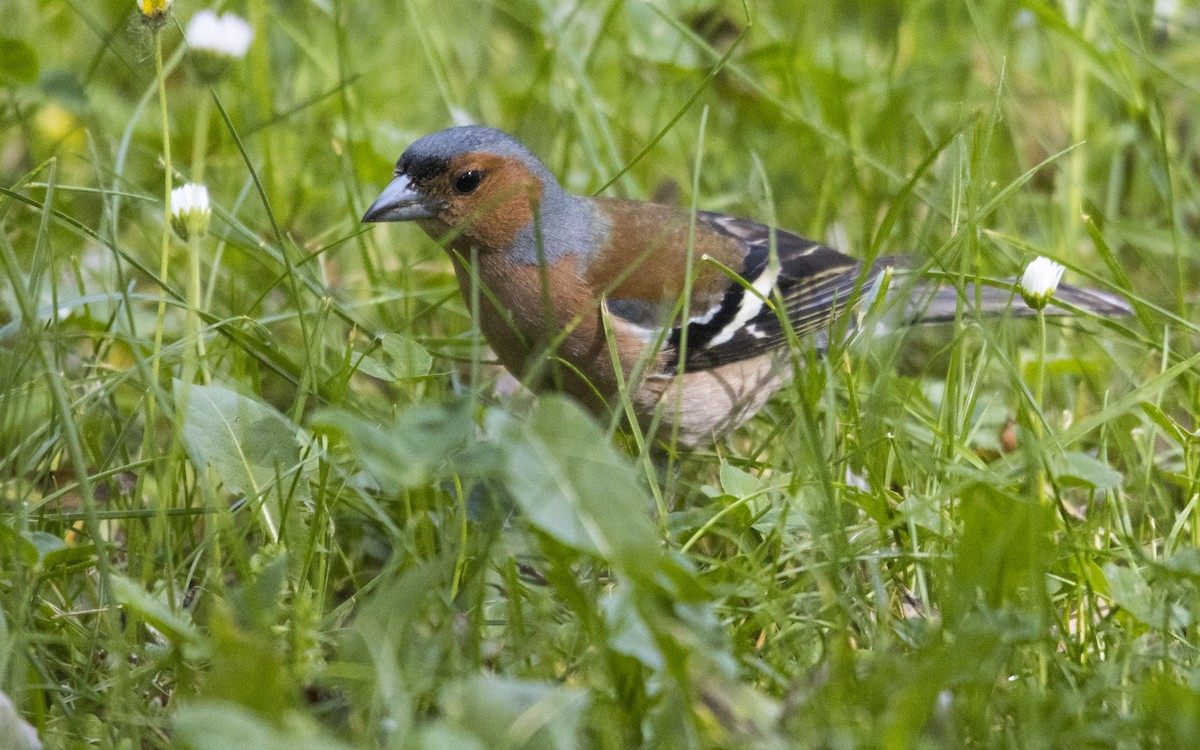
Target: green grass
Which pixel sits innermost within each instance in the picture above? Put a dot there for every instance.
(260, 491)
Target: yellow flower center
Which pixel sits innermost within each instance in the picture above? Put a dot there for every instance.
(153, 7)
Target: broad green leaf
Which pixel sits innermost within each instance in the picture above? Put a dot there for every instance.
(217, 725)
(415, 450)
(246, 666)
(656, 41)
(439, 736)
(1078, 367)
(1185, 562)
(136, 600)
(56, 553)
(1130, 591)
(383, 635)
(45, 543)
(41, 548)
(563, 472)
(1075, 469)
(1172, 707)
(254, 450)
(397, 357)
(66, 87)
(507, 712)
(570, 482)
(919, 508)
(1001, 557)
(739, 483)
(13, 544)
(18, 61)
(628, 632)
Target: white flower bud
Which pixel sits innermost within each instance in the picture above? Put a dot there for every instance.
(190, 210)
(214, 41)
(1039, 281)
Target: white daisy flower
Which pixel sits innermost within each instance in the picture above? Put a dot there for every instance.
(215, 42)
(227, 34)
(1039, 281)
(190, 210)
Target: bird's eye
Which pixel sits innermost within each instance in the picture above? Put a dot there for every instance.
(466, 182)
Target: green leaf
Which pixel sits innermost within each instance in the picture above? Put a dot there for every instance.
(136, 600)
(438, 736)
(217, 725)
(739, 483)
(1170, 426)
(416, 450)
(398, 357)
(45, 543)
(247, 665)
(654, 40)
(919, 508)
(1130, 591)
(1075, 469)
(13, 544)
(18, 61)
(254, 450)
(1185, 562)
(58, 554)
(628, 631)
(1003, 553)
(570, 482)
(563, 472)
(65, 87)
(506, 712)
(1074, 366)
(1172, 708)
(42, 549)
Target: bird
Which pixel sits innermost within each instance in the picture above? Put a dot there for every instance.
(682, 319)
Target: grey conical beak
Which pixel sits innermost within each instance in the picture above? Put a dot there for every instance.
(399, 201)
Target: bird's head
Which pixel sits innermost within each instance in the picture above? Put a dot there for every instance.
(473, 182)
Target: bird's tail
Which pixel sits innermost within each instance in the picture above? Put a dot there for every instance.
(897, 297)
(911, 297)
(939, 303)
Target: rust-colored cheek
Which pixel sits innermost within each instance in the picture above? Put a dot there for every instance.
(492, 217)
(497, 229)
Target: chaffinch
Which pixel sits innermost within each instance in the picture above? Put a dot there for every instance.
(571, 286)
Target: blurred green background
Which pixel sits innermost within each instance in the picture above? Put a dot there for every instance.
(261, 490)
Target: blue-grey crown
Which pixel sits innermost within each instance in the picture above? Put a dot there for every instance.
(434, 151)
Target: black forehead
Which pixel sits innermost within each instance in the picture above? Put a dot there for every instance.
(431, 155)
(421, 168)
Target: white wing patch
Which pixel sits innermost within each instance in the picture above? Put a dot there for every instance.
(706, 316)
(752, 305)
